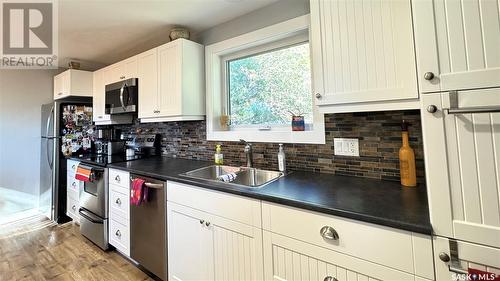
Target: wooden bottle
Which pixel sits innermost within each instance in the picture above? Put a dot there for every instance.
(407, 160)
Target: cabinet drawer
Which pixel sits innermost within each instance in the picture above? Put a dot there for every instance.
(288, 259)
(383, 245)
(233, 207)
(71, 166)
(72, 206)
(119, 201)
(119, 236)
(74, 185)
(120, 178)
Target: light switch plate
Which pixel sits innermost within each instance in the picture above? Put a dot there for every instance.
(346, 147)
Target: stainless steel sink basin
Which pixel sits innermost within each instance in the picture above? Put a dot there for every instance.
(246, 177)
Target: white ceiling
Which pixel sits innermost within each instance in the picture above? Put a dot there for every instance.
(101, 32)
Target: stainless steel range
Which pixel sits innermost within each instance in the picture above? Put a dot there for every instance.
(94, 197)
(94, 206)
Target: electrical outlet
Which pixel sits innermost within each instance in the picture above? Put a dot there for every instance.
(346, 147)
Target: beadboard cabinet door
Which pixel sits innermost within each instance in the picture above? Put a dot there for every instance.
(362, 51)
(187, 245)
(148, 83)
(462, 154)
(287, 259)
(203, 246)
(457, 44)
(470, 255)
(99, 99)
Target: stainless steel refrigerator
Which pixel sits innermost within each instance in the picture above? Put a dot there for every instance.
(58, 128)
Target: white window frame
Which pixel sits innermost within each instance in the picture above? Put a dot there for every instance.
(262, 40)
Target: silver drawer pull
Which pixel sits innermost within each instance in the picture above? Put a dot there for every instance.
(118, 201)
(73, 208)
(73, 167)
(117, 178)
(118, 233)
(455, 109)
(329, 233)
(73, 184)
(330, 278)
(207, 223)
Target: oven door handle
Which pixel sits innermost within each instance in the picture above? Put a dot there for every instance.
(84, 214)
(153, 185)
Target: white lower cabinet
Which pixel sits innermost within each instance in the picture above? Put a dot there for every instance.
(219, 236)
(289, 259)
(204, 246)
(468, 256)
(73, 187)
(119, 211)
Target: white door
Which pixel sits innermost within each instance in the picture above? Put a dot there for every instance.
(130, 68)
(187, 245)
(470, 257)
(462, 154)
(237, 250)
(98, 101)
(457, 44)
(147, 72)
(169, 79)
(287, 259)
(362, 51)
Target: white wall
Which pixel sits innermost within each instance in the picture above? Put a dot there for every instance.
(22, 92)
(278, 12)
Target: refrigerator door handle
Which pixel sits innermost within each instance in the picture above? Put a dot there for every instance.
(51, 116)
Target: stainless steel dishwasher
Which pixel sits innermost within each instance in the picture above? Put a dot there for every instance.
(148, 228)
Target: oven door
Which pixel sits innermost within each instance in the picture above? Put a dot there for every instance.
(94, 197)
(121, 97)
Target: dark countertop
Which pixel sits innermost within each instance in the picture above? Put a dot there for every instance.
(374, 201)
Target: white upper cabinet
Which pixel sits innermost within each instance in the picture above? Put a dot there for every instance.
(98, 101)
(73, 82)
(120, 71)
(362, 51)
(147, 70)
(457, 43)
(462, 154)
(173, 86)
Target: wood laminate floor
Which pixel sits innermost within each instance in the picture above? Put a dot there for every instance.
(60, 252)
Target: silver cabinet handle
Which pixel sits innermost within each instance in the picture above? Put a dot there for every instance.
(118, 233)
(73, 184)
(122, 77)
(428, 76)
(117, 178)
(59, 94)
(73, 208)
(202, 221)
(318, 95)
(432, 108)
(329, 233)
(330, 278)
(207, 223)
(118, 201)
(100, 117)
(73, 167)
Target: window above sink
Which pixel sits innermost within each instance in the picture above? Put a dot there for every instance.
(257, 81)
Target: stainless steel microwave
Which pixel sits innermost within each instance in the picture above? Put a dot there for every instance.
(122, 97)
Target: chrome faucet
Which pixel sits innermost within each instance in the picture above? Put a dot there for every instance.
(248, 153)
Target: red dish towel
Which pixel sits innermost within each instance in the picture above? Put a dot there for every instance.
(83, 173)
(137, 191)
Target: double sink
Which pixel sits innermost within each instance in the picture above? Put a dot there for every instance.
(245, 177)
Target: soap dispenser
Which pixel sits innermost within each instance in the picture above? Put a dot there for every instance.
(281, 159)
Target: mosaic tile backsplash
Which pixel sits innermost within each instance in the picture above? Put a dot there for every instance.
(379, 135)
